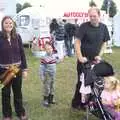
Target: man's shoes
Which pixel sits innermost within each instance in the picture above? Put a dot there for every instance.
(83, 108)
(23, 117)
(79, 108)
(7, 118)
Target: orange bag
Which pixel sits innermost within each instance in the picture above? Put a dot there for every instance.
(7, 76)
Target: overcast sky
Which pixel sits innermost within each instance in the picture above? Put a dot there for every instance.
(66, 4)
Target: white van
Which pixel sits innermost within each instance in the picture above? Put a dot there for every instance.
(1, 17)
(32, 22)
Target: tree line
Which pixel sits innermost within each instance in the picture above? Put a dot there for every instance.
(108, 5)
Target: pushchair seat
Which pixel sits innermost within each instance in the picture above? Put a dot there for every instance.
(95, 78)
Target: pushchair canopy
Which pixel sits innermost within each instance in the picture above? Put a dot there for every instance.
(101, 69)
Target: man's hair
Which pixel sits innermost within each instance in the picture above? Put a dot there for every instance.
(94, 8)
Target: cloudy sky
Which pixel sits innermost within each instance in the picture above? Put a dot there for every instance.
(66, 4)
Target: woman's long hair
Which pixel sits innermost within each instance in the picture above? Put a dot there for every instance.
(13, 32)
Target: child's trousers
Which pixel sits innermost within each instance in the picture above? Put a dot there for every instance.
(47, 75)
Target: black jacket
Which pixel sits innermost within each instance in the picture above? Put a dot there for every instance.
(12, 52)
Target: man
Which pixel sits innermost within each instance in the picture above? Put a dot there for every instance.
(69, 33)
(53, 25)
(91, 38)
(59, 39)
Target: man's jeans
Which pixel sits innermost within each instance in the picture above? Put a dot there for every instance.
(68, 45)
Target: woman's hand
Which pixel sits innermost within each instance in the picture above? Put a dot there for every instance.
(25, 74)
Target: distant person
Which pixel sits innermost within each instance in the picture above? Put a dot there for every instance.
(91, 38)
(76, 25)
(53, 25)
(48, 73)
(12, 53)
(69, 33)
(59, 39)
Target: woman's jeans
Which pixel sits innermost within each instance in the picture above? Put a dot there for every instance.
(16, 85)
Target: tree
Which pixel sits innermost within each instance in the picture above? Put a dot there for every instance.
(110, 7)
(18, 7)
(25, 5)
(92, 3)
(113, 9)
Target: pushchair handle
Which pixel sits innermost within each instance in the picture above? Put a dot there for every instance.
(89, 63)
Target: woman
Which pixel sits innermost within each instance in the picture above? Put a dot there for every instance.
(12, 53)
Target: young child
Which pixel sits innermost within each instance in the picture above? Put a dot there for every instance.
(47, 73)
(117, 101)
(110, 96)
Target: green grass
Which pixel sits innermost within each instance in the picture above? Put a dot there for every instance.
(64, 84)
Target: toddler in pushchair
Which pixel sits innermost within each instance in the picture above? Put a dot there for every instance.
(100, 91)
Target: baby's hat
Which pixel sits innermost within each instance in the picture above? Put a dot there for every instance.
(103, 69)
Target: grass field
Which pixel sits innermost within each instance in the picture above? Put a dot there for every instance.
(65, 85)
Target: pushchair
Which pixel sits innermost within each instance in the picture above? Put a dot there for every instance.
(94, 77)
